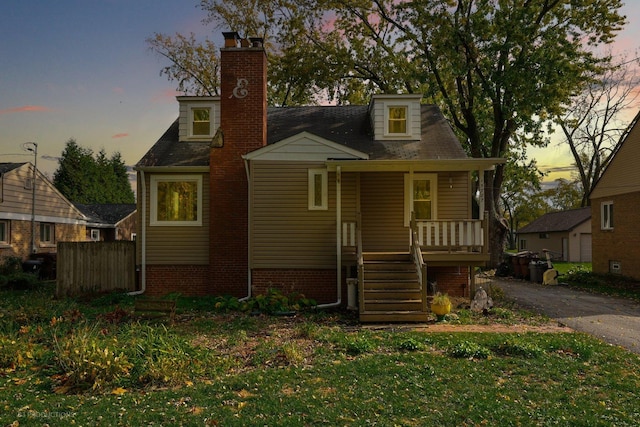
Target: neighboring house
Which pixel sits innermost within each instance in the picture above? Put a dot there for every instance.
(615, 202)
(54, 218)
(566, 234)
(236, 198)
(110, 222)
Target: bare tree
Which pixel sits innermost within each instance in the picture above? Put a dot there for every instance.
(593, 125)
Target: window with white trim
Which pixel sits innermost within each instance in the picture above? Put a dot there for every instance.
(420, 195)
(606, 215)
(201, 121)
(176, 200)
(4, 232)
(397, 120)
(47, 233)
(318, 195)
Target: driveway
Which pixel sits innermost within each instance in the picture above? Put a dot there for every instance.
(613, 320)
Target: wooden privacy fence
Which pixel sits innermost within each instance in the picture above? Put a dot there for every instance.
(95, 267)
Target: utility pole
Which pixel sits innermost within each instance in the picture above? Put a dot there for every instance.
(33, 147)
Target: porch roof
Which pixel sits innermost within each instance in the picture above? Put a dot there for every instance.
(440, 165)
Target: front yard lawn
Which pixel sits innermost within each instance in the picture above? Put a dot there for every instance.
(73, 363)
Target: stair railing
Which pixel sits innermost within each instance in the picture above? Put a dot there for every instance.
(416, 255)
(360, 260)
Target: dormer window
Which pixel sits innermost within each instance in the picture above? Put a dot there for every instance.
(397, 121)
(199, 118)
(201, 121)
(396, 117)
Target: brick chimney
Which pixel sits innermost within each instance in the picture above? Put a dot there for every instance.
(243, 122)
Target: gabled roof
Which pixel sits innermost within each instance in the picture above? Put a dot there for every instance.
(167, 151)
(558, 221)
(106, 214)
(8, 167)
(347, 125)
(350, 126)
(622, 175)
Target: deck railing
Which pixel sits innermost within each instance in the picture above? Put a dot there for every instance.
(452, 235)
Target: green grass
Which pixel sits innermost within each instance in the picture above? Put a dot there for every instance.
(565, 267)
(315, 368)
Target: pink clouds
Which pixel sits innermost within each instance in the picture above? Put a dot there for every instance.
(119, 135)
(26, 109)
(168, 95)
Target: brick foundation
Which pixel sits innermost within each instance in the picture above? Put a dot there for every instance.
(317, 284)
(190, 280)
(451, 280)
(619, 244)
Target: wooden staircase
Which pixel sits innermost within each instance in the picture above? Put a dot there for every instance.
(391, 289)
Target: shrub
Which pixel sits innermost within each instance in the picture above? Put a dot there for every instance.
(519, 347)
(89, 359)
(410, 344)
(10, 265)
(358, 344)
(469, 350)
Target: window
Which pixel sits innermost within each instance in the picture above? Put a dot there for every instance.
(606, 216)
(47, 233)
(4, 232)
(317, 193)
(420, 197)
(95, 235)
(200, 121)
(176, 200)
(397, 120)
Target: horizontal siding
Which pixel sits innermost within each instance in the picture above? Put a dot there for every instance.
(382, 202)
(454, 197)
(18, 199)
(622, 176)
(178, 245)
(284, 233)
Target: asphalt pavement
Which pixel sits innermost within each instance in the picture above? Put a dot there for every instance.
(613, 320)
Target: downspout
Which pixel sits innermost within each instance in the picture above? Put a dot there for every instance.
(246, 169)
(338, 240)
(143, 247)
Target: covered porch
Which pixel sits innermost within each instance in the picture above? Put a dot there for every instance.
(394, 260)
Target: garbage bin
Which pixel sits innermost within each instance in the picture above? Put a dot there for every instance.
(32, 266)
(536, 271)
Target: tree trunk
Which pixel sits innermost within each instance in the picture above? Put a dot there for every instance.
(497, 239)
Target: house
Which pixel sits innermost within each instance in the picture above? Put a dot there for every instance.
(237, 197)
(110, 222)
(615, 203)
(566, 233)
(26, 228)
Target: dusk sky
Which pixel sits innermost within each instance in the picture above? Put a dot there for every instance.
(81, 69)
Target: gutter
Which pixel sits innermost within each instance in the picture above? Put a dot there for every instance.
(246, 169)
(338, 240)
(143, 241)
